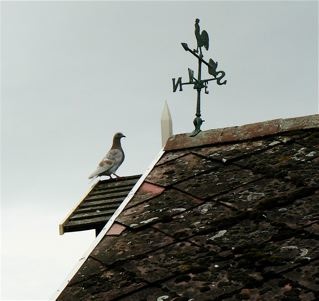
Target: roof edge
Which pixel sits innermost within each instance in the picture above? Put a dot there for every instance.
(65, 220)
(243, 132)
(107, 226)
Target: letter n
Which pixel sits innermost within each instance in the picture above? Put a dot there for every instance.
(177, 83)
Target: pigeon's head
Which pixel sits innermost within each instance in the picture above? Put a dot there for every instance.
(119, 136)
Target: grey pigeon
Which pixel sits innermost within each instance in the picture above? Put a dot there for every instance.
(112, 160)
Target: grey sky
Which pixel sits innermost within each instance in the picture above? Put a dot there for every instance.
(73, 73)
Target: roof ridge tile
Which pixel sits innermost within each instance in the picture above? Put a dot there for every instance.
(241, 133)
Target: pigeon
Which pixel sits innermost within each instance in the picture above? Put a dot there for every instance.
(112, 160)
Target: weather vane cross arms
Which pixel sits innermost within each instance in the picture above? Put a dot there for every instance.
(199, 83)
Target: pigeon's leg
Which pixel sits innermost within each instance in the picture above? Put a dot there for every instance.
(118, 177)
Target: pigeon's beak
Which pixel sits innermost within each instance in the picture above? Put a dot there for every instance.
(123, 136)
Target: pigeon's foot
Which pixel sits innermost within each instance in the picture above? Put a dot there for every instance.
(117, 177)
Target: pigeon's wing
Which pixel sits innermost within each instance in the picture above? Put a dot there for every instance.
(109, 163)
(115, 155)
(102, 168)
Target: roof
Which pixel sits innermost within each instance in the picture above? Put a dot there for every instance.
(99, 204)
(226, 216)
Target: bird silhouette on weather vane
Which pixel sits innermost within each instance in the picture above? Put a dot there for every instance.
(199, 83)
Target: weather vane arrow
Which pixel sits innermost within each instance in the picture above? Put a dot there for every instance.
(199, 83)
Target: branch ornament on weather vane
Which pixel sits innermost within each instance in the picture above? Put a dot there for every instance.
(199, 83)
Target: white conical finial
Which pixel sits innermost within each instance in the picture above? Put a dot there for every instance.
(166, 124)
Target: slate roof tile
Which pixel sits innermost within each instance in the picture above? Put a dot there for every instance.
(305, 174)
(251, 196)
(105, 285)
(145, 192)
(299, 214)
(274, 289)
(129, 245)
(311, 141)
(245, 233)
(226, 152)
(306, 276)
(170, 156)
(149, 293)
(216, 181)
(283, 255)
(180, 169)
(219, 279)
(116, 229)
(230, 214)
(162, 264)
(92, 268)
(313, 228)
(280, 157)
(159, 208)
(200, 219)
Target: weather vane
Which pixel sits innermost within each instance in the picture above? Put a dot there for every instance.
(199, 83)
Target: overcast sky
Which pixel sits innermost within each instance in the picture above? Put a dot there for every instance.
(74, 73)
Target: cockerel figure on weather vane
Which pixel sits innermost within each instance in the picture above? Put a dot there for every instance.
(199, 83)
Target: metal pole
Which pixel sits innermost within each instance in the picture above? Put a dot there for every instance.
(199, 84)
